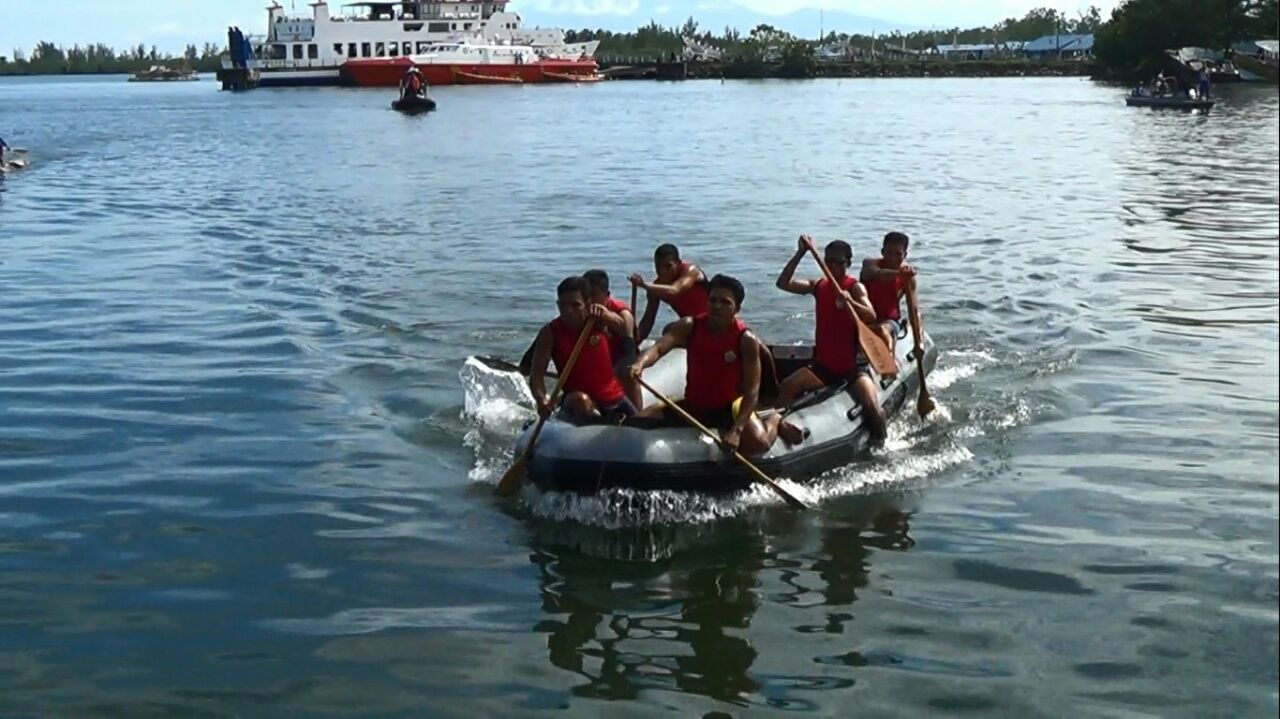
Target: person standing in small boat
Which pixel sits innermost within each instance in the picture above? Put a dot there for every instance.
(722, 373)
(837, 356)
(682, 285)
(591, 390)
(886, 278)
(411, 84)
(616, 317)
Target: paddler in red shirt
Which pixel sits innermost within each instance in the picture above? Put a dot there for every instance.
(837, 355)
(886, 277)
(615, 316)
(722, 375)
(591, 391)
(682, 285)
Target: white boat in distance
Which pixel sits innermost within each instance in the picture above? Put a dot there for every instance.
(299, 51)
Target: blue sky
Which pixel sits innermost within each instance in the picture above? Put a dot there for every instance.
(170, 24)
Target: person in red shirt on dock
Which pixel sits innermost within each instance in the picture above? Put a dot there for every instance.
(615, 316)
(682, 285)
(591, 391)
(837, 356)
(886, 277)
(722, 376)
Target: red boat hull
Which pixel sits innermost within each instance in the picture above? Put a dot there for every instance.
(388, 72)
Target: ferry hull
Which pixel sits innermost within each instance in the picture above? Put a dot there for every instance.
(304, 78)
(389, 72)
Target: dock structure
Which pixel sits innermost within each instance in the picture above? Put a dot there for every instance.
(237, 79)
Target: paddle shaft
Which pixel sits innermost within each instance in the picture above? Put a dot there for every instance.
(511, 480)
(925, 404)
(635, 322)
(880, 356)
(786, 496)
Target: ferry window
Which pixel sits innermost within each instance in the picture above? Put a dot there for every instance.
(422, 46)
(313, 51)
(466, 26)
(380, 49)
(438, 27)
(297, 52)
(337, 48)
(277, 53)
(364, 50)
(454, 26)
(351, 50)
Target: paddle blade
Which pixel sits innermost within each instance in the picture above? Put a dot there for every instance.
(792, 501)
(511, 481)
(925, 406)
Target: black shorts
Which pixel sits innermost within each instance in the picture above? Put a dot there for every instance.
(618, 411)
(621, 409)
(714, 419)
(829, 378)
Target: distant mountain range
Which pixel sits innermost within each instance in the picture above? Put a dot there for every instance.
(802, 23)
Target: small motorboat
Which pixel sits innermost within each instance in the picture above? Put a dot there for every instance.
(159, 73)
(1169, 102)
(650, 455)
(413, 104)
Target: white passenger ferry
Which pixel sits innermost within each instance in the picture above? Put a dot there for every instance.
(312, 50)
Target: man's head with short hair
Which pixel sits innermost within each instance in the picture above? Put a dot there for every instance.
(838, 255)
(725, 297)
(894, 251)
(571, 299)
(666, 262)
(597, 285)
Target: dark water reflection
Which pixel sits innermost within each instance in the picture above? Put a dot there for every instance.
(681, 624)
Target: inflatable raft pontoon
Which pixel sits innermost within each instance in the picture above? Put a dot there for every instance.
(413, 104)
(642, 455)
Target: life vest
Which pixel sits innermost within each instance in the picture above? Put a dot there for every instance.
(593, 372)
(693, 301)
(835, 345)
(713, 374)
(884, 297)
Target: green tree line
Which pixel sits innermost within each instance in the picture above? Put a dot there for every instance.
(46, 58)
(654, 40)
(1139, 31)
(1137, 34)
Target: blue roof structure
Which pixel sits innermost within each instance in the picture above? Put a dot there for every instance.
(1055, 43)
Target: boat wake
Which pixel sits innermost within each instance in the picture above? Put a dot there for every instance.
(498, 405)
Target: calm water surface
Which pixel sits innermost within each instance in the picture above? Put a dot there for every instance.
(246, 470)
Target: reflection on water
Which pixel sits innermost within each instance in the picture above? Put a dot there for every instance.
(679, 621)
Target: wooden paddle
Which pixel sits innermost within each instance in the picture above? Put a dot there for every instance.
(510, 481)
(635, 323)
(925, 404)
(878, 353)
(789, 498)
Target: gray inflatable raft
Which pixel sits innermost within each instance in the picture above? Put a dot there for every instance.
(587, 459)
